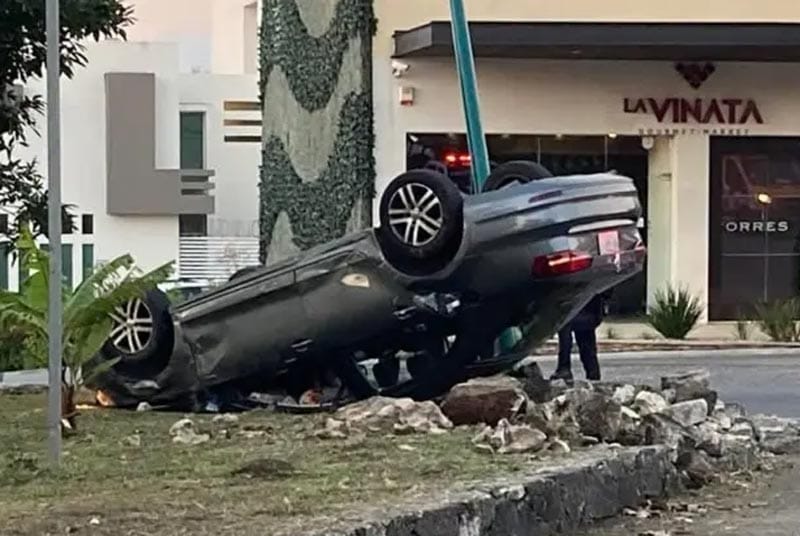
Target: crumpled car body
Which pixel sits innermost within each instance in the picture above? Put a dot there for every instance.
(530, 255)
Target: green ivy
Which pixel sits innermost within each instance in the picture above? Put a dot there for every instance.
(312, 64)
(322, 207)
(318, 210)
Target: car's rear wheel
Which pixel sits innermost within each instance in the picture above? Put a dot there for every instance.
(142, 334)
(421, 216)
(515, 172)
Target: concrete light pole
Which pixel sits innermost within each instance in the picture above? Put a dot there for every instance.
(54, 326)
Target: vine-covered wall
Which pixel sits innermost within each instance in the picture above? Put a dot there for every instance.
(318, 171)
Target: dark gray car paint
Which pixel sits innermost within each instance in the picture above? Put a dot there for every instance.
(255, 328)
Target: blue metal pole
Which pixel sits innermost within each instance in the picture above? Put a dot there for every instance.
(465, 65)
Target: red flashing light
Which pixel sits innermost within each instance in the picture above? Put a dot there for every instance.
(463, 159)
(561, 263)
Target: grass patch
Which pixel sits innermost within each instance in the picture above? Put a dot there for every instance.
(231, 484)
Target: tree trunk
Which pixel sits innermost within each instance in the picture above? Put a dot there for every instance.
(318, 172)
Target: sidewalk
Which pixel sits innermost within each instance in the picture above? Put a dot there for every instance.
(713, 331)
(624, 337)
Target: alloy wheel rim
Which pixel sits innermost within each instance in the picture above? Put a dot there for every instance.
(415, 214)
(132, 328)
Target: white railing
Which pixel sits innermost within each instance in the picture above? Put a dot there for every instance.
(215, 258)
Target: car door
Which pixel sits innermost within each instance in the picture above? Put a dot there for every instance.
(245, 328)
(347, 298)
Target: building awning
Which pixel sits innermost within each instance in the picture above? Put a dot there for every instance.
(610, 41)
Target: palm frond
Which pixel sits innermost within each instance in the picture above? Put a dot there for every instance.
(32, 257)
(96, 284)
(82, 343)
(131, 288)
(87, 310)
(89, 374)
(28, 321)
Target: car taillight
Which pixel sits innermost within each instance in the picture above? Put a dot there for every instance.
(561, 263)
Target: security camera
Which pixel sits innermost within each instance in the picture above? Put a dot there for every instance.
(647, 142)
(399, 68)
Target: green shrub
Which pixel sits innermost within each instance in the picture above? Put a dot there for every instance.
(743, 329)
(675, 312)
(16, 352)
(86, 314)
(778, 319)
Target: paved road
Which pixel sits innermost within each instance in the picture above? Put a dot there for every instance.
(764, 382)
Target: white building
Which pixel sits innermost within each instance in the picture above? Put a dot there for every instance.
(695, 100)
(165, 100)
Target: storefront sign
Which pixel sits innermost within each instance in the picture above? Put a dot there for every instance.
(757, 226)
(675, 131)
(699, 111)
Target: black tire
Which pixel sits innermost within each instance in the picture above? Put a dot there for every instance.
(515, 172)
(140, 356)
(243, 272)
(430, 199)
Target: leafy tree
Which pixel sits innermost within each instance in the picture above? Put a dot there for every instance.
(87, 311)
(23, 53)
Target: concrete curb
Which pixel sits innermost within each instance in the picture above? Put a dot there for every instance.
(687, 344)
(599, 485)
(23, 378)
(728, 352)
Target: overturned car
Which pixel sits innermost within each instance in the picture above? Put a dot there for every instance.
(434, 285)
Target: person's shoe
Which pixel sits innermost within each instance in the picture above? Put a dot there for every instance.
(565, 375)
(593, 376)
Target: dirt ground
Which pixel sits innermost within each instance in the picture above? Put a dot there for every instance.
(760, 504)
(122, 475)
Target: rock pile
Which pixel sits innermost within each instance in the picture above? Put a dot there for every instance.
(705, 435)
(381, 414)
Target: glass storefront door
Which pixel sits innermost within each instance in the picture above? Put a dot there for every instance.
(754, 224)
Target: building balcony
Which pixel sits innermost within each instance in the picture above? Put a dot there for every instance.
(195, 193)
(135, 186)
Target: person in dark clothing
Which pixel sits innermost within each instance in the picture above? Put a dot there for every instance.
(583, 326)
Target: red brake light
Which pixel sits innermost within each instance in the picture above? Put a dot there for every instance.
(561, 263)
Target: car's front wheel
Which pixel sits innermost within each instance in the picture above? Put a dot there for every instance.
(421, 216)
